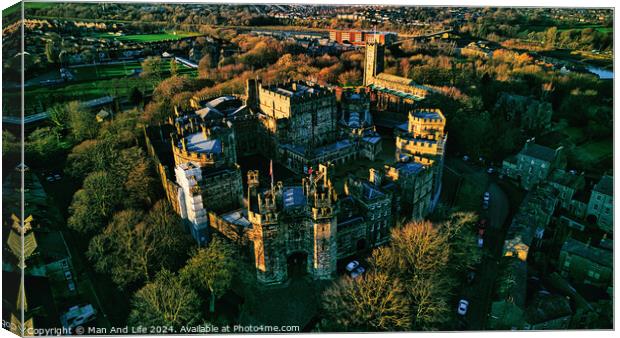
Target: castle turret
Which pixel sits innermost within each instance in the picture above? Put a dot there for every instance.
(323, 216)
(266, 235)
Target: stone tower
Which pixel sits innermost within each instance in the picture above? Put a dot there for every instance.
(292, 223)
(322, 202)
(263, 214)
(373, 61)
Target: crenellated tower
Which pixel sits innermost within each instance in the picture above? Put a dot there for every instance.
(322, 202)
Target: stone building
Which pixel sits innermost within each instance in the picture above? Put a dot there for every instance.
(567, 183)
(389, 92)
(601, 204)
(298, 125)
(295, 112)
(422, 140)
(375, 206)
(586, 264)
(533, 164)
(415, 187)
(293, 225)
(207, 174)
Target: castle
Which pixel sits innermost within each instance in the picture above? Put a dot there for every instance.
(309, 129)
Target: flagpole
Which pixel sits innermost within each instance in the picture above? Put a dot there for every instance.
(271, 172)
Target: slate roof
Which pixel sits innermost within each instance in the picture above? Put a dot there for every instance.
(539, 152)
(197, 142)
(293, 197)
(605, 185)
(597, 255)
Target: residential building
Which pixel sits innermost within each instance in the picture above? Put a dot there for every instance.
(586, 264)
(567, 183)
(533, 164)
(601, 204)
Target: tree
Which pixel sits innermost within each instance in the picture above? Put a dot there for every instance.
(173, 68)
(51, 51)
(165, 302)
(151, 67)
(351, 77)
(136, 96)
(95, 202)
(59, 116)
(211, 269)
(10, 145)
(375, 302)
(43, 145)
(134, 246)
(418, 256)
(82, 123)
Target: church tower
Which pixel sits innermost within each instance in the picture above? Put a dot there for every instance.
(373, 61)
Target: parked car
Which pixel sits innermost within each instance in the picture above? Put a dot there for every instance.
(352, 266)
(480, 232)
(462, 309)
(358, 272)
(480, 242)
(482, 224)
(78, 315)
(491, 170)
(487, 196)
(465, 158)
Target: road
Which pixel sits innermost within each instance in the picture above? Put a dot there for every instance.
(480, 292)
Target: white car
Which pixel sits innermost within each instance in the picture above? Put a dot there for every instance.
(352, 266)
(487, 196)
(462, 309)
(358, 272)
(490, 170)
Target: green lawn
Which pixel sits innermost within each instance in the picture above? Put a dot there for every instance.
(172, 35)
(91, 82)
(595, 151)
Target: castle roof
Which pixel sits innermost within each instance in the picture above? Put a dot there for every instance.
(223, 106)
(293, 196)
(199, 143)
(398, 93)
(409, 167)
(295, 89)
(239, 217)
(427, 114)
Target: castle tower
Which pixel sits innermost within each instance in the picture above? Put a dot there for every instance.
(322, 203)
(266, 237)
(373, 61)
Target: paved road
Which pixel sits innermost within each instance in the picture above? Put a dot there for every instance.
(483, 286)
(480, 293)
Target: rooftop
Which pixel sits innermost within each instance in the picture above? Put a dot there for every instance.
(199, 143)
(597, 255)
(605, 185)
(427, 114)
(295, 89)
(396, 92)
(537, 151)
(239, 217)
(293, 197)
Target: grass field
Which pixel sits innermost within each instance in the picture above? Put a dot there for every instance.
(595, 151)
(91, 82)
(148, 37)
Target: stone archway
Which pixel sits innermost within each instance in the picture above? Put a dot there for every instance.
(297, 264)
